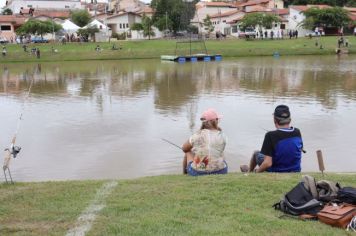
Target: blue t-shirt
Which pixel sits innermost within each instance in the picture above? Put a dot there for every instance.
(285, 147)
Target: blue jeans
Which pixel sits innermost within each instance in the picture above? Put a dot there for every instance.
(193, 172)
(259, 157)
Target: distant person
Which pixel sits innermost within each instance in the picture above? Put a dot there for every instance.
(204, 151)
(340, 42)
(296, 34)
(265, 34)
(282, 148)
(290, 34)
(271, 34)
(4, 51)
(38, 53)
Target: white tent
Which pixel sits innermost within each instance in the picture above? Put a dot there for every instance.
(98, 24)
(69, 27)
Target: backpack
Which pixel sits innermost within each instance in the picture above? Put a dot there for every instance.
(299, 201)
(327, 190)
(322, 190)
(347, 194)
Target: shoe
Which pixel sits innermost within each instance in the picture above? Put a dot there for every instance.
(244, 168)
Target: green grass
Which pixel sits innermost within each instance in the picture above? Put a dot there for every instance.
(48, 208)
(232, 204)
(156, 48)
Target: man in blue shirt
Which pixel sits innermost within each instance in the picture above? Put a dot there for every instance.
(282, 148)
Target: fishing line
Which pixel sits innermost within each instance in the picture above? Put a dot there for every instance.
(13, 150)
(171, 143)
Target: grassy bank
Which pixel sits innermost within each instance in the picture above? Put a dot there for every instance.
(233, 204)
(156, 48)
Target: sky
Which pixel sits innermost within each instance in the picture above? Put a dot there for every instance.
(2, 2)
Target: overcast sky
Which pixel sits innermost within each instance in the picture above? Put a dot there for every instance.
(2, 2)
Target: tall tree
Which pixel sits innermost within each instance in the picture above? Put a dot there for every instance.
(38, 27)
(80, 17)
(208, 25)
(258, 19)
(178, 12)
(328, 17)
(89, 31)
(147, 24)
(340, 3)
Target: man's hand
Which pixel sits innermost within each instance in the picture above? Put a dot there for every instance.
(267, 163)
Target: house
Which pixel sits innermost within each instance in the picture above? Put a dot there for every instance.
(17, 5)
(202, 9)
(222, 21)
(9, 24)
(267, 4)
(226, 16)
(117, 6)
(121, 22)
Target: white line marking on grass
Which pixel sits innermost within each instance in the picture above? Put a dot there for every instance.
(86, 219)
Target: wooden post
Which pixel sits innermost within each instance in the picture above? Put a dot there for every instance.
(320, 161)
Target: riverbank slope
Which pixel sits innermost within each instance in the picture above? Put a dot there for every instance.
(233, 204)
(153, 49)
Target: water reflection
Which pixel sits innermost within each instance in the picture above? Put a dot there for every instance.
(107, 118)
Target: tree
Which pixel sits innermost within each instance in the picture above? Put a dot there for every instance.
(147, 24)
(258, 19)
(208, 25)
(89, 31)
(137, 26)
(328, 17)
(177, 13)
(340, 3)
(164, 23)
(7, 11)
(38, 27)
(80, 17)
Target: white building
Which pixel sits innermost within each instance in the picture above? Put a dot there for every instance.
(296, 17)
(202, 9)
(17, 5)
(122, 22)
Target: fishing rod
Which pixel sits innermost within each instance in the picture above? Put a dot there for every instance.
(171, 143)
(13, 150)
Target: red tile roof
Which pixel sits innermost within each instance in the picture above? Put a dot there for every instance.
(306, 7)
(352, 16)
(49, 13)
(218, 4)
(252, 2)
(257, 8)
(14, 19)
(284, 11)
(236, 19)
(123, 13)
(228, 13)
(351, 9)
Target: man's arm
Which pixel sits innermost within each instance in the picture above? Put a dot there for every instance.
(267, 163)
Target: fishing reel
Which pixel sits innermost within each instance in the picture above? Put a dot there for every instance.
(14, 150)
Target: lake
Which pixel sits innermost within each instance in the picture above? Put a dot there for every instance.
(107, 119)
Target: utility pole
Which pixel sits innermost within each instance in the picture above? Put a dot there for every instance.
(53, 36)
(166, 22)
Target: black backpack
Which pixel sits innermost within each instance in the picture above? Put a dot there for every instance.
(347, 194)
(299, 201)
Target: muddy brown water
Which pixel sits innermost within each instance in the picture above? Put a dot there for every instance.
(106, 119)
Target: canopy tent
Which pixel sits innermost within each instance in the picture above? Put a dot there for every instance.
(69, 27)
(96, 23)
